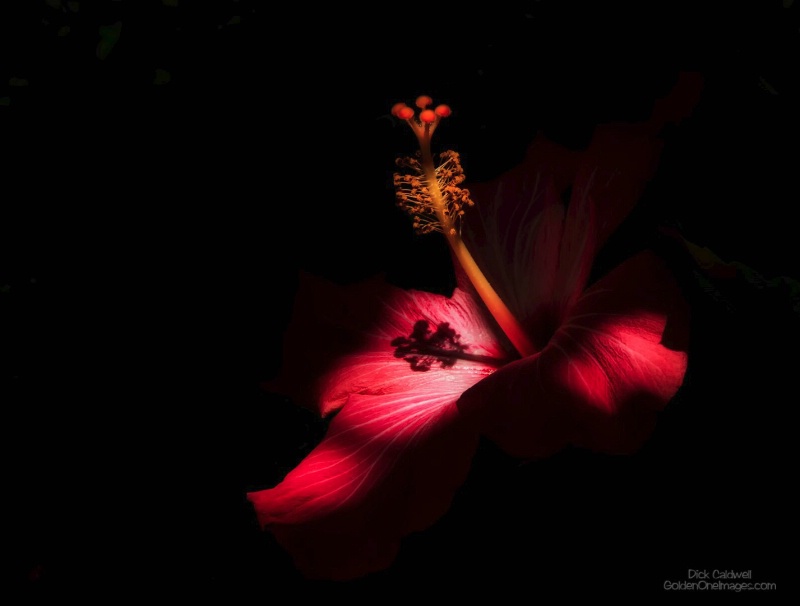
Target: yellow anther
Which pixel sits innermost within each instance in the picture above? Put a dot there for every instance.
(414, 193)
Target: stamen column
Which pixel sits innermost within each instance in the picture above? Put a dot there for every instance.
(423, 128)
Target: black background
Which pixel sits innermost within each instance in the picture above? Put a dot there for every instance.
(152, 234)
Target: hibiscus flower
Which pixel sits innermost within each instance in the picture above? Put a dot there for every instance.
(526, 351)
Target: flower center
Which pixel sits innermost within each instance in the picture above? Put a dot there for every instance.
(433, 197)
(424, 347)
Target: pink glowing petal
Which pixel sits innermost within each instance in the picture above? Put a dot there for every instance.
(339, 341)
(618, 358)
(388, 466)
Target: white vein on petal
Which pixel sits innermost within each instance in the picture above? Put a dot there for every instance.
(389, 428)
(433, 408)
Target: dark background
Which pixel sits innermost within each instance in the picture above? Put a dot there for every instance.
(165, 185)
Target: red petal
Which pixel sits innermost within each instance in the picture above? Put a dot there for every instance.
(612, 171)
(566, 269)
(618, 162)
(339, 340)
(622, 158)
(556, 247)
(618, 359)
(578, 247)
(388, 466)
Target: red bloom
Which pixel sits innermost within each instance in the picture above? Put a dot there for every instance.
(416, 377)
